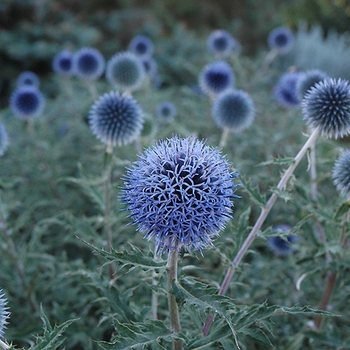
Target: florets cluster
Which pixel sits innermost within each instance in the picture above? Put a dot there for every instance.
(281, 39)
(216, 77)
(308, 80)
(88, 63)
(234, 110)
(221, 43)
(28, 78)
(116, 119)
(327, 106)
(141, 45)
(62, 63)
(282, 246)
(180, 193)
(166, 110)
(341, 173)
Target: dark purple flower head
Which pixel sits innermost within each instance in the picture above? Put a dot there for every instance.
(4, 140)
(216, 77)
(116, 119)
(308, 80)
(221, 43)
(282, 246)
(62, 63)
(180, 193)
(234, 110)
(141, 45)
(341, 173)
(27, 102)
(285, 91)
(150, 66)
(88, 63)
(4, 313)
(166, 110)
(281, 39)
(327, 106)
(28, 78)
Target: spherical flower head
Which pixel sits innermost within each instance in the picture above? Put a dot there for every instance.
(233, 110)
(88, 63)
(150, 66)
(281, 39)
(180, 193)
(308, 80)
(341, 173)
(285, 91)
(216, 77)
(327, 106)
(4, 140)
(166, 111)
(116, 119)
(27, 102)
(282, 246)
(221, 43)
(125, 71)
(62, 63)
(28, 78)
(4, 313)
(141, 45)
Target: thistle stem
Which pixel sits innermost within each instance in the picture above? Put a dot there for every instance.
(224, 137)
(254, 232)
(3, 345)
(154, 294)
(173, 307)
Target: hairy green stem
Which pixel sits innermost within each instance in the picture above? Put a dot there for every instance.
(263, 214)
(173, 307)
(3, 345)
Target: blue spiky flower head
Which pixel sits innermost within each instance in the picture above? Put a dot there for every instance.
(234, 110)
(125, 71)
(141, 45)
(28, 78)
(62, 63)
(166, 111)
(216, 77)
(285, 91)
(4, 140)
(327, 106)
(116, 119)
(27, 102)
(341, 173)
(282, 246)
(88, 63)
(281, 39)
(308, 80)
(150, 66)
(180, 193)
(4, 313)
(221, 43)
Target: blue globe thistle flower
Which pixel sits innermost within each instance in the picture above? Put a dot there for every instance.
(125, 71)
(4, 140)
(62, 63)
(4, 313)
(180, 193)
(150, 66)
(141, 45)
(341, 173)
(327, 106)
(285, 91)
(281, 39)
(28, 78)
(216, 77)
(233, 110)
(282, 246)
(116, 119)
(88, 63)
(221, 43)
(27, 102)
(308, 80)
(166, 111)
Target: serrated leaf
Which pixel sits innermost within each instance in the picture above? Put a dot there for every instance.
(52, 337)
(253, 192)
(278, 161)
(151, 334)
(343, 209)
(135, 257)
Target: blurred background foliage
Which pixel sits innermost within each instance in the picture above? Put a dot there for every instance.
(32, 31)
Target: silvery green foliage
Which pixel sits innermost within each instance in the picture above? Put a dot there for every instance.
(4, 313)
(327, 106)
(314, 50)
(116, 119)
(125, 71)
(180, 193)
(4, 139)
(341, 173)
(233, 109)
